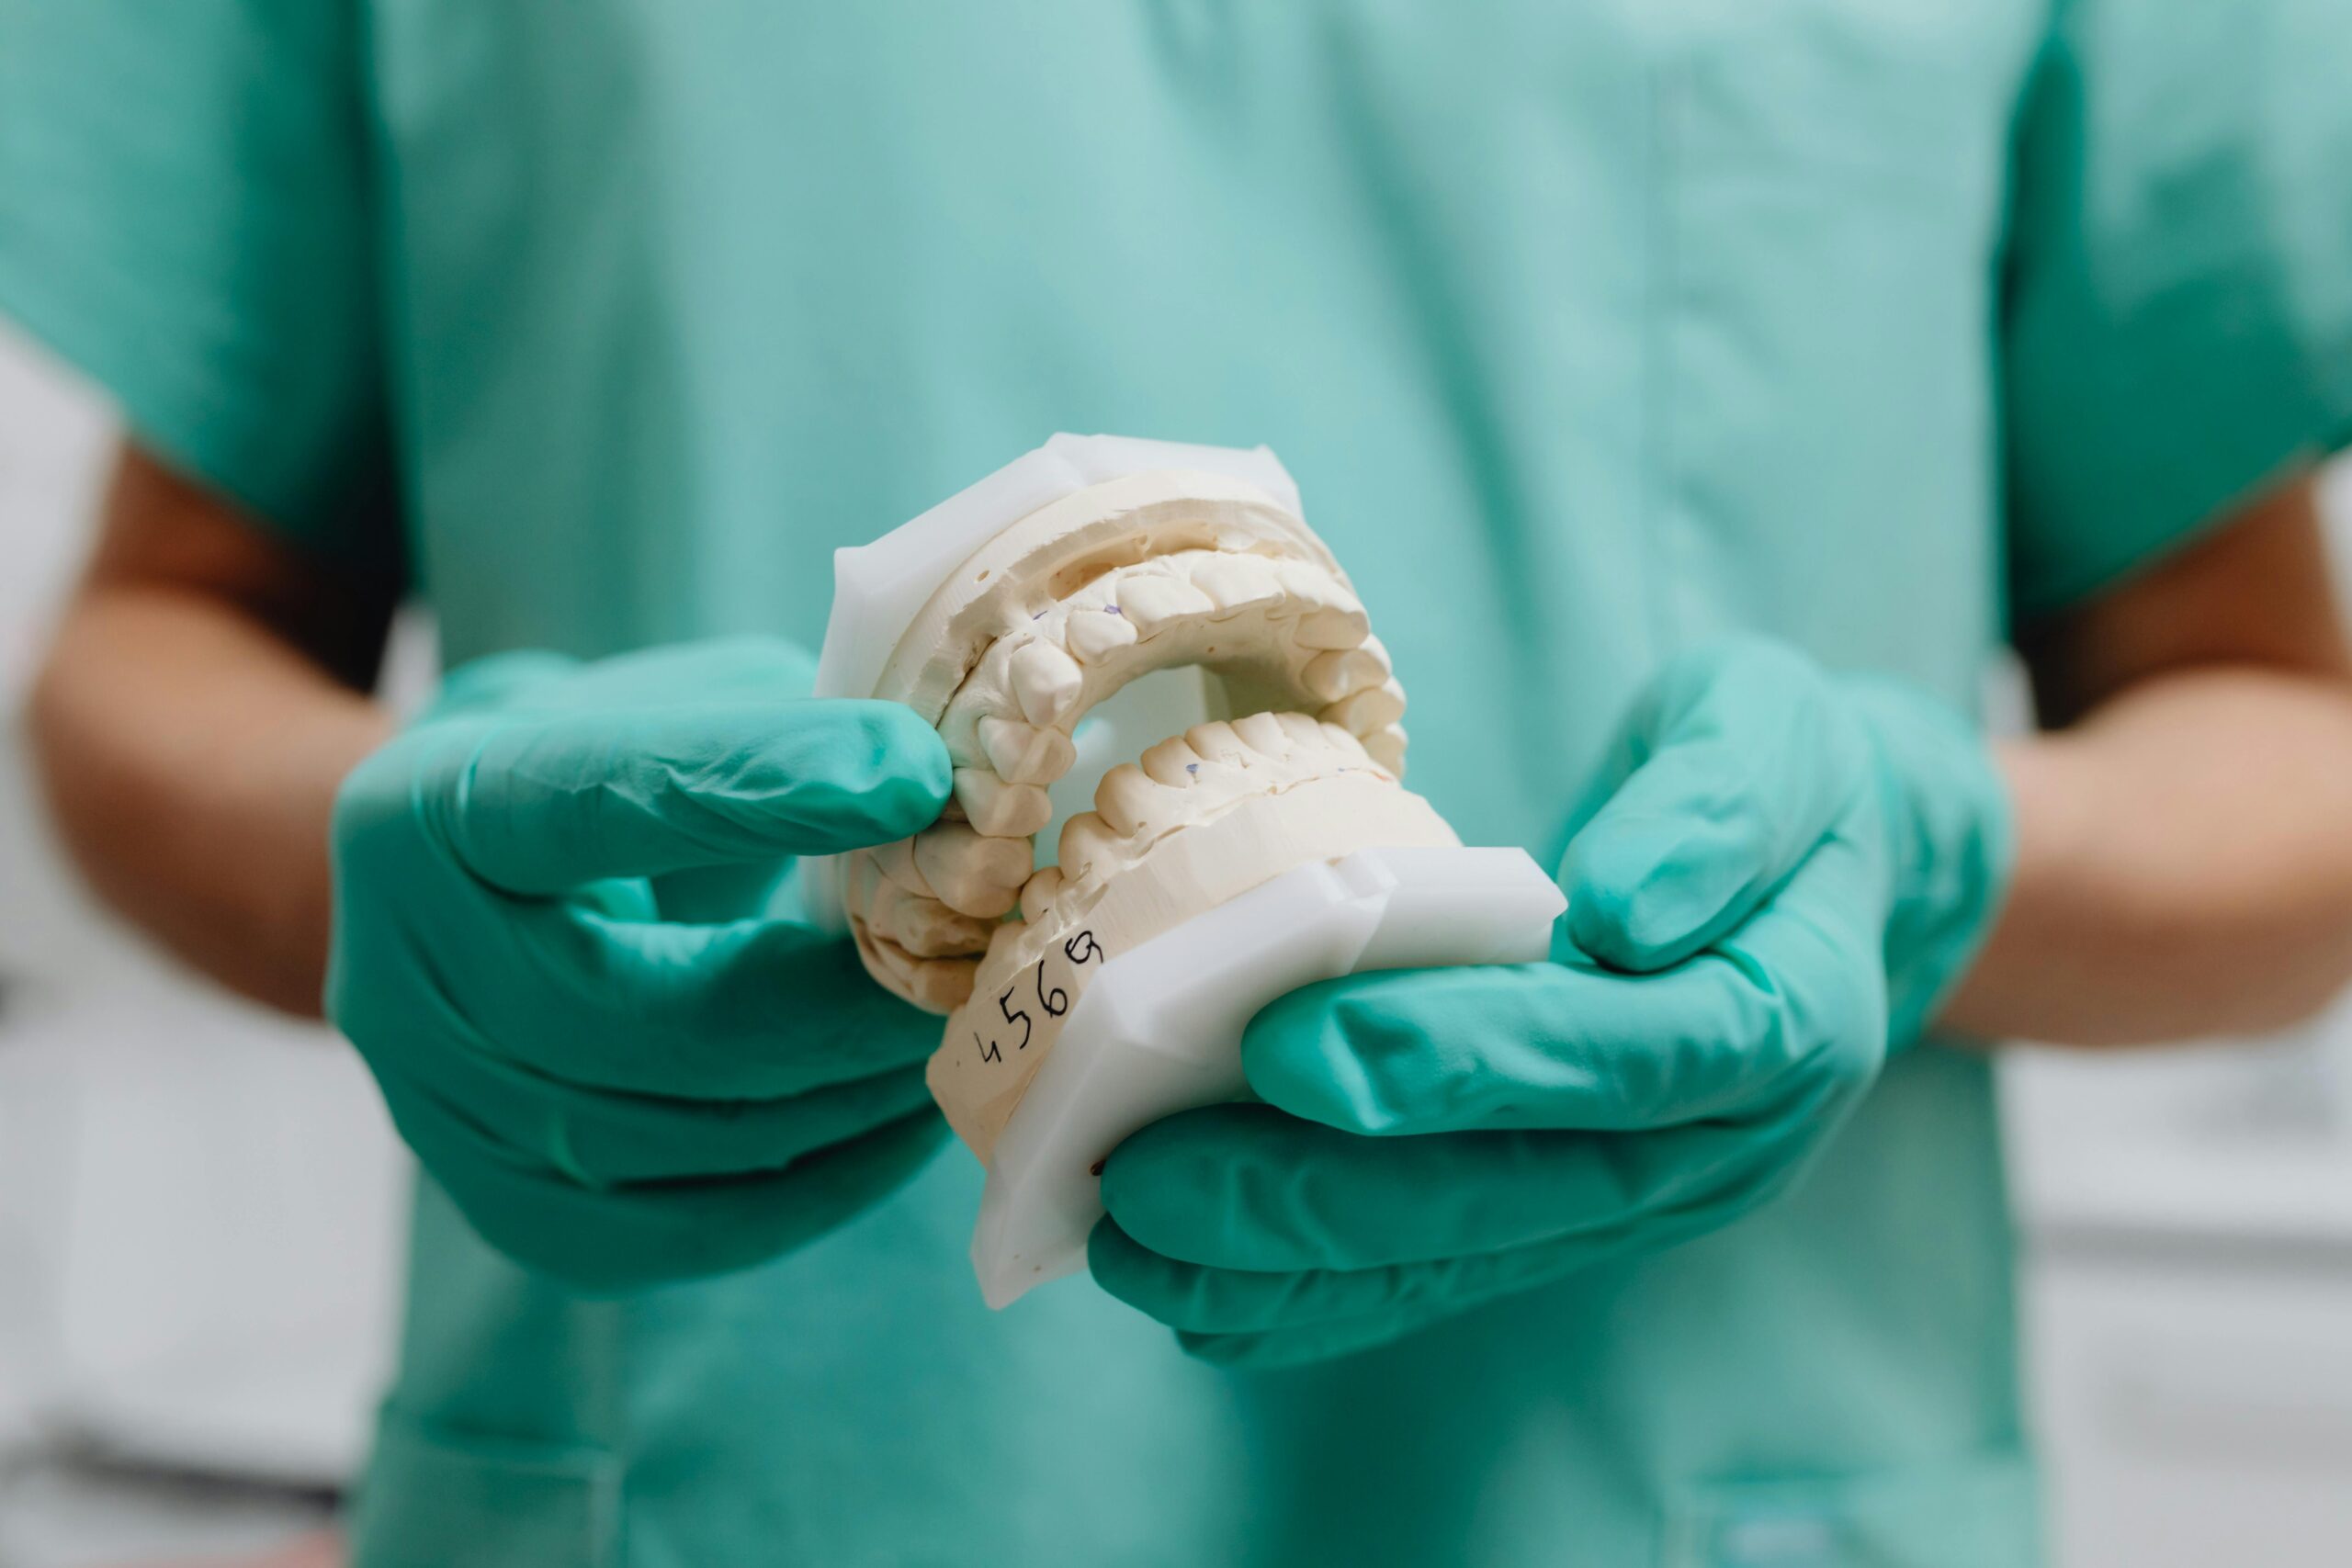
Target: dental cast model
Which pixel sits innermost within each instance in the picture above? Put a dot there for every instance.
(1101, 561)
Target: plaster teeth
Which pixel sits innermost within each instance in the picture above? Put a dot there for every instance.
(1047, 682)
(960, 729)
(1021, 649)
(1336, 627)
(1128, 801)
(971, 872)
(1330, 617)
(1172, 763)
(1340, 740)
(998, 810)
(895, 860)
(927, 927)
(895, 961)
(1037, 893)
(1371, 709)
(1218, 742)
(1023, 753)
(1150, 602)
(1345, 671)
(1094, 633)
(1263, 733)
(1235, 583)
(1302, 730)
(936, 985)
(1086, 839)
(942, 986)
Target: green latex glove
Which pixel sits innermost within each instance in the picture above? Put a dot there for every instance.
(553, 945)
(1777, 874)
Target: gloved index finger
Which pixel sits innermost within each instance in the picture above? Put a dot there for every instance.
(754, 1010)
(540, 804)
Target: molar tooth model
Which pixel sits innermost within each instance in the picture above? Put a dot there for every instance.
(1233, 860)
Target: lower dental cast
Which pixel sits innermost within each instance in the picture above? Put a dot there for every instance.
(1059, 611)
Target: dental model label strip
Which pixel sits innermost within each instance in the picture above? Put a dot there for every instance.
(1029, 989)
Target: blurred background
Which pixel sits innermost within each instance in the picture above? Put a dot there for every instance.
(200, 1212)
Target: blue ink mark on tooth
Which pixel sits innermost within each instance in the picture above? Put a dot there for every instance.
(1114, 609)
(1194, 767)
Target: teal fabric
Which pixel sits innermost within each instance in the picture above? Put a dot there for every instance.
(557, 943)
(1772, 880)
(1593, 332)
(2182, 327)
(185, 214)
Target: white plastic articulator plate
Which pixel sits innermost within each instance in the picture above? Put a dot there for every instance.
(1157, 1030)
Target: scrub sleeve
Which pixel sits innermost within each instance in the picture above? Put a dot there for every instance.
(185, 218)
(2179, 322)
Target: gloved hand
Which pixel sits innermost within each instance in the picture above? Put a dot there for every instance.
(614, 1098)
(1776, 875)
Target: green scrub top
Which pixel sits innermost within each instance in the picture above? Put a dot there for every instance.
(1591, 330)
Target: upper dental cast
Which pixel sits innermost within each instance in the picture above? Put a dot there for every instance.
(1060, 609)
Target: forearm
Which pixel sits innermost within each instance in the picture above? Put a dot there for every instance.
(2183, 864)
(200, 707)
(191, 758)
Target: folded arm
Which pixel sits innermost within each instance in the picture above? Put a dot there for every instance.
(2184, 865)
(205, 694)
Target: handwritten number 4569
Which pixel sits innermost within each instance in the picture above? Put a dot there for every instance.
(1079, 949)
